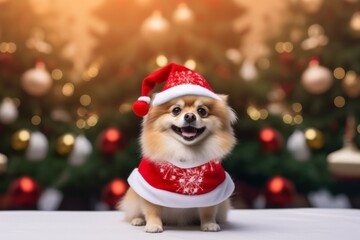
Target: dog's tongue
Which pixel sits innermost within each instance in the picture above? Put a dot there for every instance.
(188, 132)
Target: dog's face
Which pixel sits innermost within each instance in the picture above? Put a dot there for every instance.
(190, 127)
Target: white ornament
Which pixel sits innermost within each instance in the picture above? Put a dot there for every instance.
(156, 26)
(81, 151)
(248, 70)
(38, 147)
(298, 147)
(37, 81)
(345, 162)
(50, 200)
(317, 79)
(8, 111)
(323, 199)
(183, 14)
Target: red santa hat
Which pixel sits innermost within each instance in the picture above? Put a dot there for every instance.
(178, 81)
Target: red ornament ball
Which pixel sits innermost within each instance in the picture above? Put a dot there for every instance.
(113, 192)
(279, 192)
(271, 140)
(111, 141)
(24, 193)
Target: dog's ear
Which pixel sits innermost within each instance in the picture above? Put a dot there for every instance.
(232, 115)
(223, 97)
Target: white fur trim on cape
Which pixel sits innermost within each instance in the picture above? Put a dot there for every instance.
(176, 200)
(182, 90)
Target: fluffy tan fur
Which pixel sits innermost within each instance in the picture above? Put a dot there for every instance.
(159, 142)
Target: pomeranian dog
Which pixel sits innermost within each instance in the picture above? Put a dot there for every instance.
(180, 179)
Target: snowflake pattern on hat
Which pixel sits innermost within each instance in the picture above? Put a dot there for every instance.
(185, 77)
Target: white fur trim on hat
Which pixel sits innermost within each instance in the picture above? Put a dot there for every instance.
(145, 99)
(182, 90)
(176, 200)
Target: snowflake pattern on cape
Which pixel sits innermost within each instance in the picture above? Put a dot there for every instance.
(188, 181)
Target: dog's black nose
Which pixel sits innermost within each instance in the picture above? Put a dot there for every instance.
(189, 117)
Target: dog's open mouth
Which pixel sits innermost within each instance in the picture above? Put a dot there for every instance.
(188, 133)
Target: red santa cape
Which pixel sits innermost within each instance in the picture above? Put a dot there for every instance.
(175, 186)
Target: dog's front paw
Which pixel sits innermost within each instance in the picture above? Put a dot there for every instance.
(210, 227)
(153, 228)
(138, 222)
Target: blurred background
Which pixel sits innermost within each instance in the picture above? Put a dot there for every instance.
(70, 71)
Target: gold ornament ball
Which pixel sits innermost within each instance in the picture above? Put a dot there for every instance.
(3, 163)
(37, 81)
(65, 144)
(20, 140)
(314, 138)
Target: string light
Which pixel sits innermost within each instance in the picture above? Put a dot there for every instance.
(339, 101)
(339, 73)
(57, 74)
(161, 60)
(7, 47)
(81, 123)
(81, 111)
(191, 64)
(263, 113)
(296, 107)
(36, 120)
(92, 120)
(253, 113)
(287, 118)
(281, 47)
(125, 107)
(85, 100)
(92, 71)
(298, 119)
(68, 89)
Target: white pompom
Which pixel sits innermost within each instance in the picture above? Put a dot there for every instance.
(82, 149)
(38, 147)
(298, 147)
(8, 111)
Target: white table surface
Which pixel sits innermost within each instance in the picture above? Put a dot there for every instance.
(317, 224)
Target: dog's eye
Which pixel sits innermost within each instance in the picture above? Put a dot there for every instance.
(176, 111)
(202, 112)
